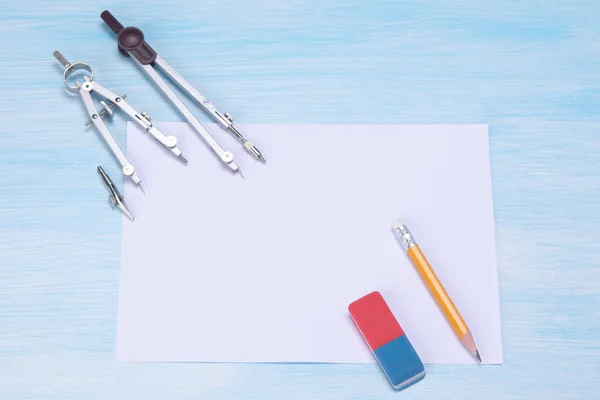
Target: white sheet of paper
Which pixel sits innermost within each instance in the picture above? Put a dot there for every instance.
(217, 268)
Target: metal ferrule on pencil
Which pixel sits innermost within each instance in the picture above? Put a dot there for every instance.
(405, 237)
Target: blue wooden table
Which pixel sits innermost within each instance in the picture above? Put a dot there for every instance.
(531, 69)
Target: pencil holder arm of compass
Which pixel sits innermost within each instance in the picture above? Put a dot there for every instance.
(131, 40)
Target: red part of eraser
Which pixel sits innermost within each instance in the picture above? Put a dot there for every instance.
(375, 320)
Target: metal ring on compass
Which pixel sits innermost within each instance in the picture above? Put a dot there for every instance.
(76, 67)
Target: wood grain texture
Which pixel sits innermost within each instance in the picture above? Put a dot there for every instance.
(528, 68)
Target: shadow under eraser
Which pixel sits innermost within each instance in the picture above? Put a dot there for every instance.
(387, 341)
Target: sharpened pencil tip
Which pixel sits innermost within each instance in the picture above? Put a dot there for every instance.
(182, 158)
(262, 158)
(477, 356)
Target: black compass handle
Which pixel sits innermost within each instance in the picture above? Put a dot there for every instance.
(130, 39)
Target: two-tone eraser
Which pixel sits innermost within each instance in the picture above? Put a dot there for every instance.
(387, 341)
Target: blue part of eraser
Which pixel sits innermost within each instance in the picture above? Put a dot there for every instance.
(400, 362)
(386, 339)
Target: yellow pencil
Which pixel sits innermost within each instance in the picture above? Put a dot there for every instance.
(456, 321)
